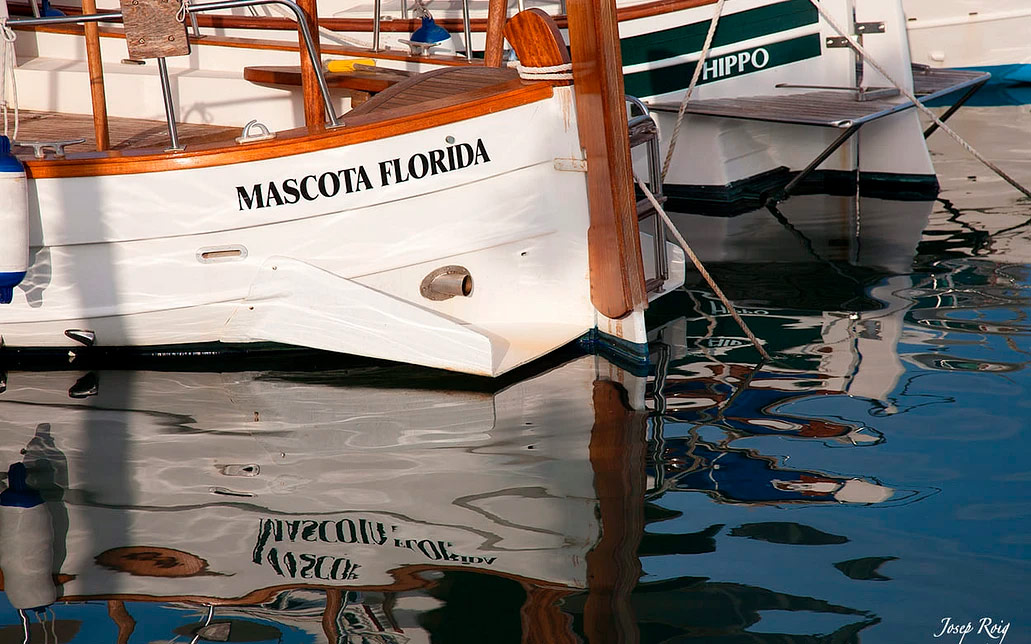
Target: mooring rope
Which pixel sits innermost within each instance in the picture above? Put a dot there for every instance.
(690, 87)
(923, 108)
(701, 268)
(8, 82)
(550, 72)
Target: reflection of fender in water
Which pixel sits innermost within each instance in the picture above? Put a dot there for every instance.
(26, 544)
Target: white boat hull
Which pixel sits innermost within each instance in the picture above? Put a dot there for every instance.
(972, 34)
(355, 234)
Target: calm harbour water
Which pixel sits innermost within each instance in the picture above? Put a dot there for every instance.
(868, 484)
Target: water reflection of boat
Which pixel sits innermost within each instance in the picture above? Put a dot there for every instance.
(821, 280)
(252, 491)
(739, 475)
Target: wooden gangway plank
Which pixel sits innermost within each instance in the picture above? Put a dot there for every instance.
(838, 108)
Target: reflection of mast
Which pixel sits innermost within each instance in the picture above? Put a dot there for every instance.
(613, 568)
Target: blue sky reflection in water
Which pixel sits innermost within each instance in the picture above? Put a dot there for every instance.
(869, 483)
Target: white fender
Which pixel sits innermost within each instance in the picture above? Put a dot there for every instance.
(14, 222)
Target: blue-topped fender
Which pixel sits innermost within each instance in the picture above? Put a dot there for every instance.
(430, 32)
(14, 222)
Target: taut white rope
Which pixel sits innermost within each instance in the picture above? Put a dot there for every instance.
(701, 268)
(8, 83)
(690, 87)
(920, 106)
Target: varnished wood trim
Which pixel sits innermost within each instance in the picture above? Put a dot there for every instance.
(370, 127)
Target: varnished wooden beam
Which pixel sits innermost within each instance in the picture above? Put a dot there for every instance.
(314, 108)
(96, 78)
(617, 271)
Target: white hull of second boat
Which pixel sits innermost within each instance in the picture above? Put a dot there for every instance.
(766, 48)
(330, 249)
(993, 36)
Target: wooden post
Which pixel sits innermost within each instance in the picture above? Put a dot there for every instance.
(617, 271)
(314, 108)
(96, 78)
(497, 11)
(617, 451)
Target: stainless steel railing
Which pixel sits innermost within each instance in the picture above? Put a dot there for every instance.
(115, 16)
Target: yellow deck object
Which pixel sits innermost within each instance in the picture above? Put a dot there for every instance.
(342, 65)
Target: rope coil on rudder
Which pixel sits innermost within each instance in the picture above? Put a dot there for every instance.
(701, 268)
(8, 82)
(550, 72)
(690, 87)
(920, 106)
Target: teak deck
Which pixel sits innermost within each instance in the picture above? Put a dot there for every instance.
(125, 133)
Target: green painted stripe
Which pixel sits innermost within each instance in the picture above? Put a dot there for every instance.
(653, 82)
(732, 28)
